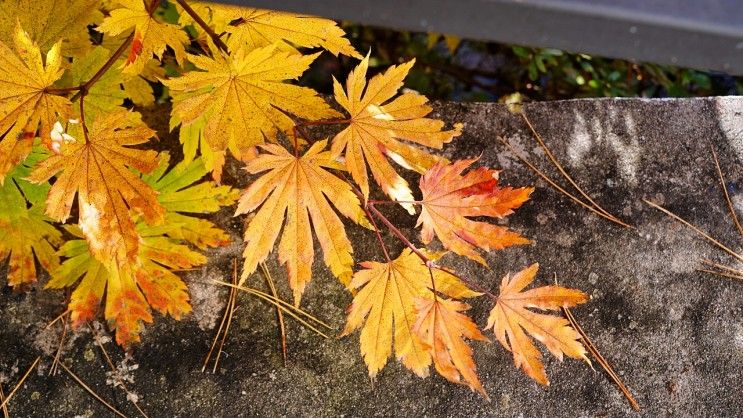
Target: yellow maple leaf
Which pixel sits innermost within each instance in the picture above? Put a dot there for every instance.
(98, 170)
(450, 197)
(243, 97)
(385, 306)
(254, 28)
(48, 22)
(25, 105)
(442, 327)
(510, 317)
(378, 125)
(298, 189)
(151, 37)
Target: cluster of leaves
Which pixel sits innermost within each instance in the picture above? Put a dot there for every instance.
(73, 151)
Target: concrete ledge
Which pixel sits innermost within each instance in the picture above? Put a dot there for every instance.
(675, 335)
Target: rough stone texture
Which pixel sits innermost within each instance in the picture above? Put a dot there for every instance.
(674, 334)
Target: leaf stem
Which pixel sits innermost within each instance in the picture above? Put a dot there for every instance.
(85, 87)
(209, 31)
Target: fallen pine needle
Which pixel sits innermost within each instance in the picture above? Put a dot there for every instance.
(53, 370)
(288, 308)
(219, 330)
(695, 229)
(722, 274)
(725, 191)
(20, 382)
(562, 170)
(558, 187)
(279, 313)
(601, 360)
(231, 308)
(89, 390)
(6, 414)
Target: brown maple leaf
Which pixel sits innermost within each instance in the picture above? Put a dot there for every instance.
(449, 198)
(510, 318)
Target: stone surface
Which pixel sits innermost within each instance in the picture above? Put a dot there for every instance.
(674, 334)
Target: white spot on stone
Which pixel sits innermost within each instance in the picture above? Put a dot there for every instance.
(730, 120)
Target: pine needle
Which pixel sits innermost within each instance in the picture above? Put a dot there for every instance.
(221, 327)
(558, 187)
(601, 360)
(20, 383)
(231, 307)
(288, 308)
(695, 229)
(722, 274)
(53, 370)
(723, 267)
(279, 313)
(6, 414)
(89, 390)
(562, 170)
(725, 191)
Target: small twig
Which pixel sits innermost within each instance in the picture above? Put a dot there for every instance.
(695, 229)
(561, 169)
(725, 191)
(231, 307)
(209, 31)
(601, 360)
(20, 383)
(89, 390)
(560, 189)
(279, 313)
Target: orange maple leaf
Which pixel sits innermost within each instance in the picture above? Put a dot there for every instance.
(510, 318)
(378, 127)
(442, 327)
(298, 188)
(449, 198)
(98, 170)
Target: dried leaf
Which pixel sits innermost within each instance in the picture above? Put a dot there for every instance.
(385, 307)
(298, 189)
(378, 125)
(449, 198)
(510, 317)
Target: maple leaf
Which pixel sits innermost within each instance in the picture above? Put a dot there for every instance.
(150, 36)
(50, 21)
(26, 232)
(449, 197)
(181, 198)
(243, 97)
(257, 27)
(130, 291)
(97, 170)
(377, 126)
(387, 300)
(442, 327)
(510, 317)
(25, 106)
(298, 189)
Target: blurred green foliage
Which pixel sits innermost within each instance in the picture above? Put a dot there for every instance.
(486, 71)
